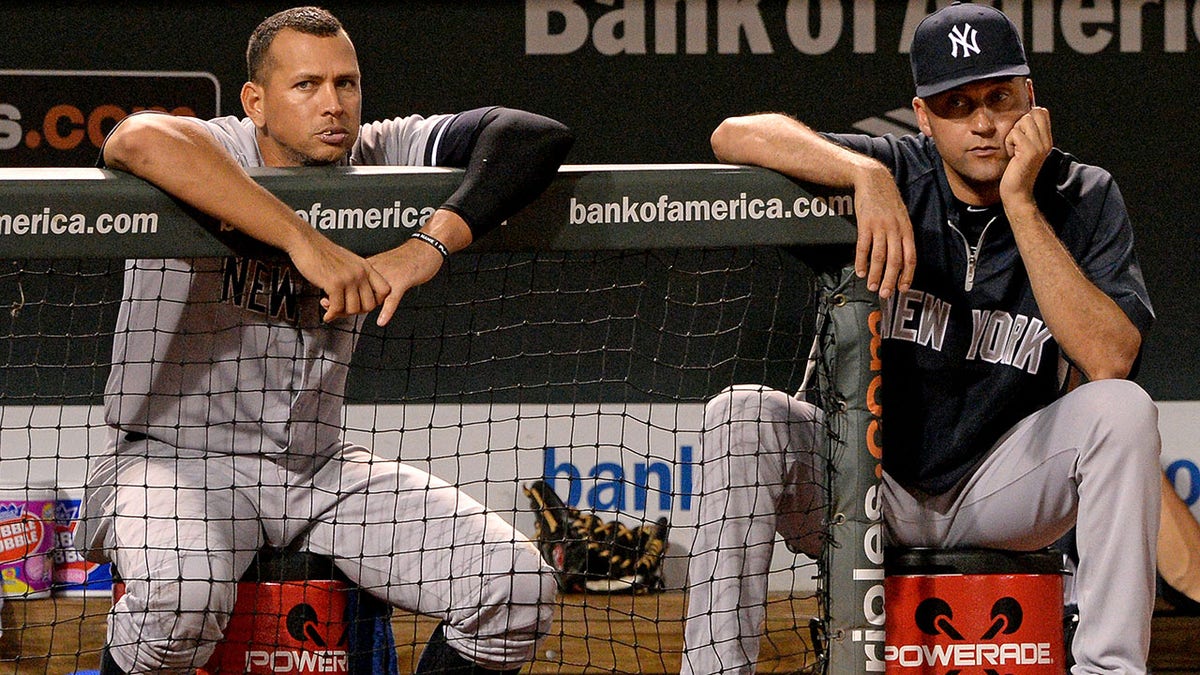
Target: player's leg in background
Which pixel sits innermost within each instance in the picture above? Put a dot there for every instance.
(1090, 459)
(425, 546)
(169, 526)
(760, 473)
(1179, 551)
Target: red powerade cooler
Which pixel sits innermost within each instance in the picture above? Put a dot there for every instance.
(966, 611)
(296, 613)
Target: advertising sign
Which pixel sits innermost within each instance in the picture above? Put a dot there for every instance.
(60, 117)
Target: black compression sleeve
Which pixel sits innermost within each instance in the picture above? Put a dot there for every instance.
(510, 158)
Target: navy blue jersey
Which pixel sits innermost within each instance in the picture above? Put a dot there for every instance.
(966, 354)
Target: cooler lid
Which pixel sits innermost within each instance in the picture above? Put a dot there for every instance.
(935, 561)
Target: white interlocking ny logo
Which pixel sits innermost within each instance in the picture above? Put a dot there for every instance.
(964, 37)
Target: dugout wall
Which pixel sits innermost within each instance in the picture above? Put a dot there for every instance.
(646, 81)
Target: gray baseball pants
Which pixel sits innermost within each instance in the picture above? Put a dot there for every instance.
(1089, 460)
(183, 529)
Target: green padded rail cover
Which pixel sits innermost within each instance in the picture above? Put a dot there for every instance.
(65, 213)
(853, 560)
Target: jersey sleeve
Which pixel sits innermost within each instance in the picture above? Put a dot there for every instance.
(510, 156)
(1110, 261)
(904, 156)
(400, 141)
(235, 135)
(872, 146)
(1085, 207)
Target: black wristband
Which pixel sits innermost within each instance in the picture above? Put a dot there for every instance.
(432, 241)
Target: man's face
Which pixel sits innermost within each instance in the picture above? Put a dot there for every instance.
(969, 125)
(309, 105)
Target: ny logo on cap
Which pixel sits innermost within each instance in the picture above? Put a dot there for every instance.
(964, 37)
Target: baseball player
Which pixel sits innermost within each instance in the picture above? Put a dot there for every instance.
(996, 256)
(228, 376)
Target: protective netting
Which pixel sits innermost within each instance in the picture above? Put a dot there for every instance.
(588, 371)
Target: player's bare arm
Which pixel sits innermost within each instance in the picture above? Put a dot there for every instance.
(1089, 326)
(180, 157)
(885, 253)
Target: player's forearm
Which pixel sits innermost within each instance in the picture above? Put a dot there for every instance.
(781, 143)
(885, 253)
(1090, 327)
(181, 158)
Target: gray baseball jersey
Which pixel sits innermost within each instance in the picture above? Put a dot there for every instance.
(230, 355)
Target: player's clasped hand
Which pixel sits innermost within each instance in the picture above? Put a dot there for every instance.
(351, 285)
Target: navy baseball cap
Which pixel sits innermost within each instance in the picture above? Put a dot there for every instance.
(963, 43)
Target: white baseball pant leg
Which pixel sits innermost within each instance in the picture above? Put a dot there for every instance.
(1090, 459)
(421, 544)
(760, 473)
(181, 535)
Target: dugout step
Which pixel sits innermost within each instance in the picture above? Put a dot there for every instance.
(64, 635)
(592, 634)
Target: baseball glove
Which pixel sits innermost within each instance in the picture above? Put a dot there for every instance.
(590, 554)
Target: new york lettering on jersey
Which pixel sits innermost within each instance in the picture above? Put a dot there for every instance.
(267, 288)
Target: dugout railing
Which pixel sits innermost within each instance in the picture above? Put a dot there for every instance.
(57, 214)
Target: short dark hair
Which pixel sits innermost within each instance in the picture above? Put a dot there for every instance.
(307, 20)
